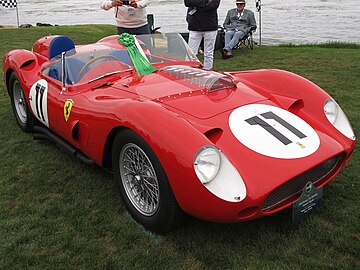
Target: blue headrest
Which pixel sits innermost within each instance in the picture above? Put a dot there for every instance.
(60, 44)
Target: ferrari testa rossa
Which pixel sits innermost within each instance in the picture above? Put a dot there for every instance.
(181, 140)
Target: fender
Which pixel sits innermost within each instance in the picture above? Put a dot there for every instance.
(163, 135)
(276, 83)
(293, 93)
(19, 61)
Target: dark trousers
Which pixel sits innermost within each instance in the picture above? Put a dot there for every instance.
(143, 30)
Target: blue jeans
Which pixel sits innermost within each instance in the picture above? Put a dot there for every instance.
(232, 38)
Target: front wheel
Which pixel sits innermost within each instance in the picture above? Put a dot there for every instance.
(19, 105)
(143, 185)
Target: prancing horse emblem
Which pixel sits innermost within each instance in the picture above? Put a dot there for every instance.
(67, 108)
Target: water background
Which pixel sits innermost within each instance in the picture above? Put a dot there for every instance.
(282, 21)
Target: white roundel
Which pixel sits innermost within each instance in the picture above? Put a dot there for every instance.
(273, 132)
(38, 101)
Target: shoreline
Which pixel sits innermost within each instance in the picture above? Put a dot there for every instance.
(329, 43)
(7, 26)
(27, 25)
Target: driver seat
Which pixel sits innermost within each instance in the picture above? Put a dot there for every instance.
(73, 67)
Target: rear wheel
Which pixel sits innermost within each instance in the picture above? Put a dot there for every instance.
(19, 105)
(144, 187)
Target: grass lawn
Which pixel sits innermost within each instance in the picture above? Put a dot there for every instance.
(57, 213)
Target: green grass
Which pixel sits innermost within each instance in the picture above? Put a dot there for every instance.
(57, 213)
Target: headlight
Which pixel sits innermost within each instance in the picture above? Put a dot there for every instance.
(331, 110)
(218, 175)
(337, 117)
(207, 163)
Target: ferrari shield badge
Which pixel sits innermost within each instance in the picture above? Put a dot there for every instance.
(67, 108)
(310, 199)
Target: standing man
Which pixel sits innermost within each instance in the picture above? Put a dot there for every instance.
(238, 22)
(130, 16)
(202, 19)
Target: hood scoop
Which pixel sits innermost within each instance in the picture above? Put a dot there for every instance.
(205, 79)
(288, 102)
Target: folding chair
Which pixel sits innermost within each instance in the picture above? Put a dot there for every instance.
(247, 41)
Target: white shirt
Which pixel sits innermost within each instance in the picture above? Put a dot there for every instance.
(127, 16)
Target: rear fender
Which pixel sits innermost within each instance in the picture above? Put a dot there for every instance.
(21, 62)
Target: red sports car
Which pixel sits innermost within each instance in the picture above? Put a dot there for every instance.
(181, 140)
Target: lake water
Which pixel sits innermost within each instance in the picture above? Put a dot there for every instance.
(287, 21)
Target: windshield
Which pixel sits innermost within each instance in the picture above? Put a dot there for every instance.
(108, 56)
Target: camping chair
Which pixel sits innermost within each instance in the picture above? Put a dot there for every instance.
(247, 41)
(150, 20)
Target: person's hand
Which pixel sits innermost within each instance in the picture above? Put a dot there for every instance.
(133, 3)
(116, 3)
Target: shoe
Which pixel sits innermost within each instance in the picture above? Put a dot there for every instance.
(227, 55)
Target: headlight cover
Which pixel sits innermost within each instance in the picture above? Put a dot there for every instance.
(337, 117)
(207, 163)
(218, 175)
(331, 110)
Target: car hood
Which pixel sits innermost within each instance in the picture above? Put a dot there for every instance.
(195, 92)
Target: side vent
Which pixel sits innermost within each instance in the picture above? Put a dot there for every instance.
(75, 132)
(214, 134)
(28, 65)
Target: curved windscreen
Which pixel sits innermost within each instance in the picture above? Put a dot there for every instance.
(109, 57)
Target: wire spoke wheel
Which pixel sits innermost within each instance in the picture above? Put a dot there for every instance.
(19, 105)
(143, 185)
(19, 102)
(139, 179)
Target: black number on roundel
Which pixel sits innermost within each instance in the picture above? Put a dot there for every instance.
(39, 101)
(256, 120)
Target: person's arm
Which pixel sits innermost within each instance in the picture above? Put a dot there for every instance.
(212, 5)
(139, 4)
(252, 22)
(108, 4)
(196, 3)
(227, 22)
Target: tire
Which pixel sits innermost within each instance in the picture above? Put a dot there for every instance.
(23, 116)
(144, 187)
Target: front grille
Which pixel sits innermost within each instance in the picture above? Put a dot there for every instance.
(298, 183)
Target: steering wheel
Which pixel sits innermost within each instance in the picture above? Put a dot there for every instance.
(92, 61)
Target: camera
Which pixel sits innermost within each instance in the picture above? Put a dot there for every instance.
(126, 2)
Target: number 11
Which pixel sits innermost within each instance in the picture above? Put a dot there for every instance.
(256, 120)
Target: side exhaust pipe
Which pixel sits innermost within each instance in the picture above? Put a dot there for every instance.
(42, 133)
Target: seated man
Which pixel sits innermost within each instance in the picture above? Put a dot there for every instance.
(238, 22)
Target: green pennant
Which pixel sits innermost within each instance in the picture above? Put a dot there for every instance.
(141, 64)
